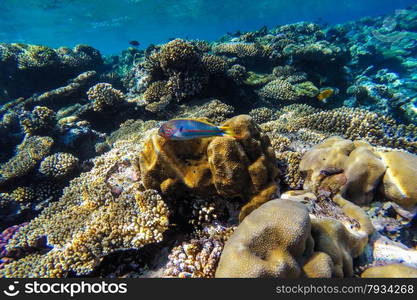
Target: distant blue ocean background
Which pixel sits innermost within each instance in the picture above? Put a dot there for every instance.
(110, 24)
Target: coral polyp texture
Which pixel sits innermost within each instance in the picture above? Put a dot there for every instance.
(102, 211)
(356, 169)
(104, 97)
(279, 239)
(312, 176)
(242, 168)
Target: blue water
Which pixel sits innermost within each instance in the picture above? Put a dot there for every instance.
(109, 24)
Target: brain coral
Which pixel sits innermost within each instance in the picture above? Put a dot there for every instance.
(102, 211)
(244, 168)
(280, 239)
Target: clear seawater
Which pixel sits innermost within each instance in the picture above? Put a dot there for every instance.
(109, 24)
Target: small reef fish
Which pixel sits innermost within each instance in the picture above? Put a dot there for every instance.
(134, 43)
(326, 93)
(187, 129)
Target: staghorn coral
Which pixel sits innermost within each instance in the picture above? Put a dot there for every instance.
(58, 165)
(29, 153)
(104, 97)
(280, 239)
(102, 211)
(244, 168)
(40, 120)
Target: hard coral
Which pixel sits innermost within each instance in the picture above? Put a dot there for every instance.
(390, 271)
(29, 152)
(178, 55)
(104, 97)
(58, 165)
(243, 168)
(40, 121)
(280, 239)
(102, 211)
(356, 169)
(278, 91)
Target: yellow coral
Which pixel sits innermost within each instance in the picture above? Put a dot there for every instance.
(243, 168)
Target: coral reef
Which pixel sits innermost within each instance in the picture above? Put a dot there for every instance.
(102, 211)
(32, 150)
(58, 165)
(38, 68)
(356, 169)
(279, 239)
(243, 168)
(325, 121)
(104, 97)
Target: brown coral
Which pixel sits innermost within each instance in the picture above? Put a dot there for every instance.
(280, 239)
(105, 97)
(102, 211)
(243, 168)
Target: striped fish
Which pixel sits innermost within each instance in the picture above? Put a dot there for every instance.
(187, 129)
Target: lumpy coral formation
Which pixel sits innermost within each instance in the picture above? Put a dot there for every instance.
(58, 165)
(243, 167)
(280, 239)
(104, 97)
(324, 120)
(356, 169)
(102, 211)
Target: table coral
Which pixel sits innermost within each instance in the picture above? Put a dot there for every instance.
(243, 168)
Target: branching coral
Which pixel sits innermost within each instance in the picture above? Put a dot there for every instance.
(102, 211)
(278, 91)
(58, 165)
(104, 97)
(29, 152)
(40, 120)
